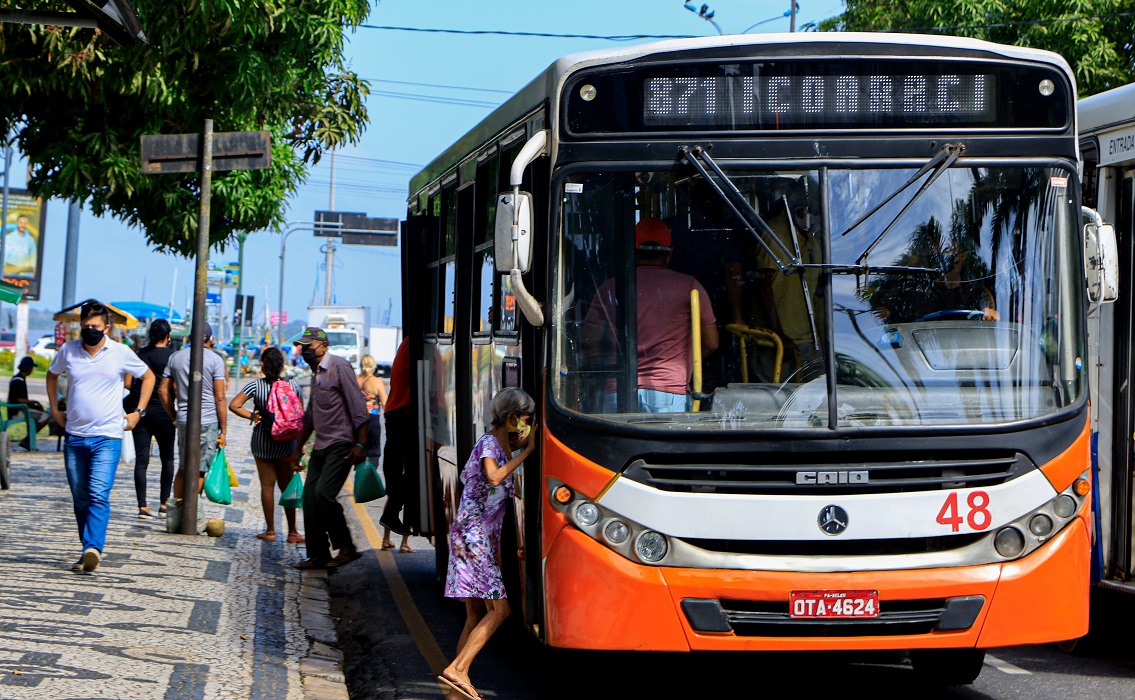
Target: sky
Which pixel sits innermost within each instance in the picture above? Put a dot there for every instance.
(116, 263)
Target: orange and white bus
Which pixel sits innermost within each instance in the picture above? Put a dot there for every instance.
(888, 445)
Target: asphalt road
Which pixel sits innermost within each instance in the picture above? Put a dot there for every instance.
(395, 628)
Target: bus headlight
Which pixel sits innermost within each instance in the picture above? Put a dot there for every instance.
(1031, 530)
(1009, 542)
(625, 537)
(616, 532)
(587, 514)
(651, 546)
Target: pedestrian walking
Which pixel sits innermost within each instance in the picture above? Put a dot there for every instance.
(94, 421)
(474, 538)
(337, 414)
(397, 461)
(214, 418)
(156, 424)
(273, 457)
(18, 394)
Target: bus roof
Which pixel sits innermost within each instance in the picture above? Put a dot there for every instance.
(1105, 110)
(550, 82)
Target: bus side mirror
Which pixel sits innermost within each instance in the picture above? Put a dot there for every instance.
(513, 232)
(1102, 262)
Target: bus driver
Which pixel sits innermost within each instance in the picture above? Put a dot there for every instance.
(665, 355)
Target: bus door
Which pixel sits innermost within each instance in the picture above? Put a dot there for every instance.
(1115, 400)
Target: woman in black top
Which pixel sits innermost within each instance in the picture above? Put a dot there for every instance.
(155, 422)
(273, 457)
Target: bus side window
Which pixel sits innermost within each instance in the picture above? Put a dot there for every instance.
(484, 263)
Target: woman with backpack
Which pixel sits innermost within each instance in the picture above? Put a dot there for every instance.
(273, 456)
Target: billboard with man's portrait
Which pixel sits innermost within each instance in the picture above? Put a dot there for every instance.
(23, 242)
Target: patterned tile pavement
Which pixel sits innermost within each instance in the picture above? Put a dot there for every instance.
(164, 616)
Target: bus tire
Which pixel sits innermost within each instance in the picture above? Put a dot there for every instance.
(947, 666)
(4, 460)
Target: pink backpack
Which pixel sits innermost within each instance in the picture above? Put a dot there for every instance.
(287, 411)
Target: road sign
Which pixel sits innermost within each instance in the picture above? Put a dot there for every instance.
(212, 298)
(181, 153)
(274, 318)
(331, 223)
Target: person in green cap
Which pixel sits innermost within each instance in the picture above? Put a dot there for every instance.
(337, 414)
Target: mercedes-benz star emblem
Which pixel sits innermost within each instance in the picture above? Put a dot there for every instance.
(833, 520)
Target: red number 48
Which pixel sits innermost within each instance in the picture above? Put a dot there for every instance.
(978, 517)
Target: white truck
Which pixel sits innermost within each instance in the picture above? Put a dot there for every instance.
(384, 342)
(347, 327)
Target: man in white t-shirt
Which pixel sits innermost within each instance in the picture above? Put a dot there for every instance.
(94, 420)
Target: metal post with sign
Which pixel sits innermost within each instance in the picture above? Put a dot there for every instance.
(205, 153)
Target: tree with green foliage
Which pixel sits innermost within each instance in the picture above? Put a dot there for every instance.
(1095, 36)
(78, 105)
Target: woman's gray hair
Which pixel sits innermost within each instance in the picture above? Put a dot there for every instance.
(511, 400)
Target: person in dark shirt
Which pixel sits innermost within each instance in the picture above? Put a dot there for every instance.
(18, 394)
(155, 422)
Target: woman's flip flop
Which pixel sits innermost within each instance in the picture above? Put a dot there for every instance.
(466, 689)
(388, 545)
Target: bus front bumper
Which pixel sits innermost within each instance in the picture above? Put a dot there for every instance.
(597, 599)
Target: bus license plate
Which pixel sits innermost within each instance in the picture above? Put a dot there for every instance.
(833, 604)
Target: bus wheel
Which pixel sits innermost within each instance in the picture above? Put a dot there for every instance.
(4, 459)
(947, 666)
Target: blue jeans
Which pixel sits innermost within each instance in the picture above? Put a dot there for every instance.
(91, 463)
(653, 401)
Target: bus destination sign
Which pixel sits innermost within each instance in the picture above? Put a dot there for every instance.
(798, 94)
(799, 100)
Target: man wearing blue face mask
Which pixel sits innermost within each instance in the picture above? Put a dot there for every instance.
(94, 421)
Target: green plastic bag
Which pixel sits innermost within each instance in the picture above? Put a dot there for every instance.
(292, 497)
(368, 484)
(217, 487)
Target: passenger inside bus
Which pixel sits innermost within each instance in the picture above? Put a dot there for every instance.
(789, 304)
(664, 329)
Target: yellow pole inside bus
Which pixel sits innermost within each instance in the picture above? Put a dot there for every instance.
(695, 335)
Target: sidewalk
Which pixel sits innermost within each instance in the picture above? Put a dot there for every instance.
(164, 616)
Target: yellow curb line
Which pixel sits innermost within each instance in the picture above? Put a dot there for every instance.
(419, 630)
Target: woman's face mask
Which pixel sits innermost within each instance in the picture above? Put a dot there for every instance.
(521, 430)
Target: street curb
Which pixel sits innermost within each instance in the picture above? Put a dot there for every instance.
(321, 668)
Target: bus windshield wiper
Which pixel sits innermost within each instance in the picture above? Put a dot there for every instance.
(739, 206)
(935, 166)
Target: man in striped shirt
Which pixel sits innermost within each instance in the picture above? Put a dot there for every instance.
(337, 414)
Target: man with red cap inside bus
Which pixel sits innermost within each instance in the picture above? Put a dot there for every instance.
(665, 352)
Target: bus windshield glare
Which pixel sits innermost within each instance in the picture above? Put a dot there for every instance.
(950, 305)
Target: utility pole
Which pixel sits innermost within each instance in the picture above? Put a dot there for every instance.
(238, 327)
(329, 262)
(792, 16)
(71, 253)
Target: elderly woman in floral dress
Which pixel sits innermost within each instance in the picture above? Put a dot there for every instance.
(474, 538)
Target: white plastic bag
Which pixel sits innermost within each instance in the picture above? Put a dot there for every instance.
(128, 454)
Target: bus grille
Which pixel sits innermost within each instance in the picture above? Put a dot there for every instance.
(780, 474)
(838, 547)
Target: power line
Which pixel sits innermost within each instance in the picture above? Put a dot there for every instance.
(437, 99)
(436, 85)
(497, 32)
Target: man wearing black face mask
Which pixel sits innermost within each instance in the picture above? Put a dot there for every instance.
(94, 421)
(337, 414)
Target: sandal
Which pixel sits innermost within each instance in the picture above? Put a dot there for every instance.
(295, 538)
(466, 689)
(344, 557)
(267, 536)
(387, 544)
(406, 549)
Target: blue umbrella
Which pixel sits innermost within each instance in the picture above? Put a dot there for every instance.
(146, 310)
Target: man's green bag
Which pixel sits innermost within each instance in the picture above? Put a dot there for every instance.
(368, 484)
(217, 488)
(292, 497)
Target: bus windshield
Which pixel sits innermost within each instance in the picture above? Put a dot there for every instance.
(957, 303)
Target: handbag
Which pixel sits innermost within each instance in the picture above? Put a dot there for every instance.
(368, 484)
(217, 487)
(292, 497)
